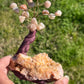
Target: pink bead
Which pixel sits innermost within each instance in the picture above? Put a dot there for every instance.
(23, 7)
(58, 13)
(47, 4)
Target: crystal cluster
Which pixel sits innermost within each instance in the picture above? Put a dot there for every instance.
(39, 67)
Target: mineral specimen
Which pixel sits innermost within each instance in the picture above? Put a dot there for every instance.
(37, 68)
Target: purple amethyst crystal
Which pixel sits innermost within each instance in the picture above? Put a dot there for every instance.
(26, 43)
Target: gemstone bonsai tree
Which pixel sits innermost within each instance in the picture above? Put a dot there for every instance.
(33, 26)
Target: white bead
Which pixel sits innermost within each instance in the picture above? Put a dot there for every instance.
(52, 16)
(40, 26)
(45, 12)
(47, 4)
(22, 19)
(26, 14)
(58, 13)
(34, 21)
(32, 27)
(13, 5)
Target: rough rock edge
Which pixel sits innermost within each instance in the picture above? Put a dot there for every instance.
(19, 68)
